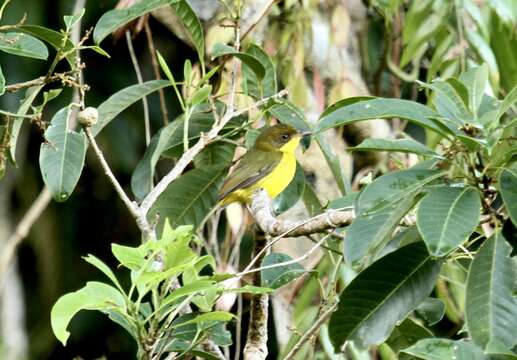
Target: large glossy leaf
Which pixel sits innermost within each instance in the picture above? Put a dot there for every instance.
(288, 113)
(192, 24)
(23, 45)
(188, 199)
(254, 64)
(431, 310)
(491, 306)
(61, 157)
(17, 123)
(124, 98)
(441, 349)
(508, 188)
(94, 296)
(380, 109)
(54, 38)
(371, 232)
(406, 334)
(390, 188)
(116, 18)
(398, 145)
(254, 86)
(447, 216)
(382, 295)
(279, 276)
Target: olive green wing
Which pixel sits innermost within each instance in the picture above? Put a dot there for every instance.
(252, 167)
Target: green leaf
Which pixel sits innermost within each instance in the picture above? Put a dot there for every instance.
(475, 81)
(217, 153)
(62, 155)
(431, 310)
(491, 305)
(54, 38)
(447, 216)
(188, 199)
(380, 109)
(290, 114)
(113, 19)
(392, 187)
(72, 20)
(128, 256)
(508, 188)
(254, 86)
(104, 268)
(346, 201)
(406, 334)
(277, 277)
(21, 44)
(220, 49)
(189, 289)
(26, 104)
(398, 145)
(382, 295)
(124, 98)
(371, 232)
(441, 349)
(193, 25)
(508, 101)
(94, 296)
(291, 194)
(2, 82)
(201, 95)
(211, 316)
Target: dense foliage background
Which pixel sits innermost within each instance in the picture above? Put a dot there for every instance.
(323, 52)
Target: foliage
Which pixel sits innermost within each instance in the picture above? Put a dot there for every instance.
(429, 244)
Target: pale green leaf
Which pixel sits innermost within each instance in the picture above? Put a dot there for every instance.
(94, 296)
(254, 86)
(398, 145)
(104, 268)
(54, 38)
(447, 216)
(62, 156)
(71, 20)
(476, 81)
(220, 49)
(441, 349)
(508, 188)
(277, 277)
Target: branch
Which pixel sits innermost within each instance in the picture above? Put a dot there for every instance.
(261, 210)
(189, 155)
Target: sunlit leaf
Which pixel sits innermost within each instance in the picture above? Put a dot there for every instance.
(94, 296)
(62, 156)
(447, 216)
(398, 145)
(382, 295)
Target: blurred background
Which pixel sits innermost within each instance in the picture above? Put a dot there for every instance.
(325, 50)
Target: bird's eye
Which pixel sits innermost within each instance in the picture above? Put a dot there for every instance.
(285, 136)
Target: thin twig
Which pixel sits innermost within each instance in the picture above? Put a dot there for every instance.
(259, 17)
(310, 332)
(141, 221)
(140, 79)
(156, 70)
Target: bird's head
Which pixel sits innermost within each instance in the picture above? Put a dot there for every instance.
(280, 137)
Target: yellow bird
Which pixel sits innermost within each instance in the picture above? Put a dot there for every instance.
(270, 164)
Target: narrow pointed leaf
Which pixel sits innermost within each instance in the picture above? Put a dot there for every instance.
(380, 109)
(116, 18)
(62, 156)
(192, 24)
(188, 199)
(447, 216)
(398, 145)
(104, 268)
(441, 349)
(54, 38)
(392, 187)
(94, 296)
(220, 49)
(254, 86)
(491, 306)
(23, 45)
(383, 295)
(508, 188)
(124, 98)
